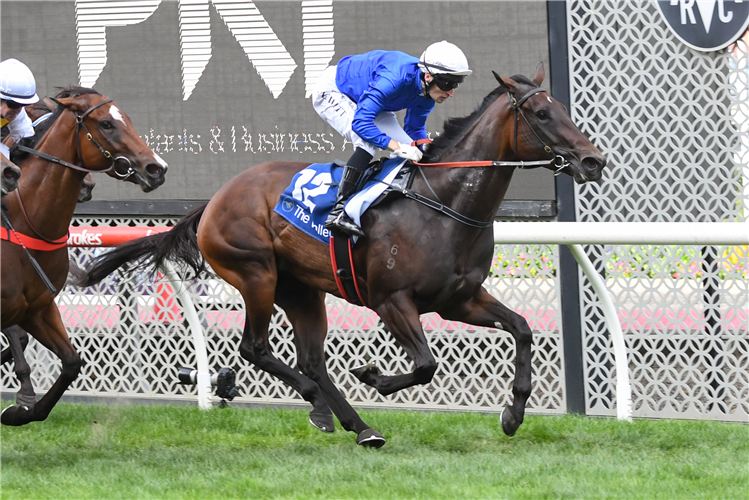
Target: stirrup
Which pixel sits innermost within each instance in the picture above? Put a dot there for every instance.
(345, 224)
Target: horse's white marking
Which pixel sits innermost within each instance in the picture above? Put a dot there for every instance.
(548, 98)
(115, 112)
(158, 159)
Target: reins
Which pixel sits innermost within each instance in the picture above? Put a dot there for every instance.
(557, 161)
(45, 279)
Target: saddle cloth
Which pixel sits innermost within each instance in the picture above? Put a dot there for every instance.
(311, 195)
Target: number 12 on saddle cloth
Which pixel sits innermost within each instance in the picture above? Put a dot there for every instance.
(309, 199)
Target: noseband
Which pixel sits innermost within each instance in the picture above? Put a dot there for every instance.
(80, 123)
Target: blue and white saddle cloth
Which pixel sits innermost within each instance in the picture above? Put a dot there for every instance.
(309, 199)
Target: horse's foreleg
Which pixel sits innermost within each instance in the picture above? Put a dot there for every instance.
(402, 319)
(305, 309)
(18, 340)
(485, 310)
(47, 327)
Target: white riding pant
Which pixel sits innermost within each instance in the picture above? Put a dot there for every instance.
(338, 110)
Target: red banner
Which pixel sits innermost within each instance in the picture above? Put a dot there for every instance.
(102, 236)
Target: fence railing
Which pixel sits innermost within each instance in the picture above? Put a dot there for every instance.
(572, 234)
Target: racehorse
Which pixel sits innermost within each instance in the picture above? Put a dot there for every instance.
(86, 133)
(413, 260)
(17, 337)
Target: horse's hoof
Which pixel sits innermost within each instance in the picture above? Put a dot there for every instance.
(509, 424)
(16, 415)
(323, 421)
(370, 438)
(366, 373)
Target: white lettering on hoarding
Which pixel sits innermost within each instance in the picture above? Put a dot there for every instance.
(91, 20)
(263, 48)
(84, 238)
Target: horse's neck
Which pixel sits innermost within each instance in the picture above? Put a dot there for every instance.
(49, 191)
(476, 192)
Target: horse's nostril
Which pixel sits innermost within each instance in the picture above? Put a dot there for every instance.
(155, 170)
(11, 174)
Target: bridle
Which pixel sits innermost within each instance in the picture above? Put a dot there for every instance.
(557, 161)
(516, 106)
(81, 124)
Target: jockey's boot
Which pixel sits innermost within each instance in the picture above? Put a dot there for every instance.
(352, 172)
(338, 218)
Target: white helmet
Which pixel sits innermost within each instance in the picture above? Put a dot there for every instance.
(444, 58)
(17, 82)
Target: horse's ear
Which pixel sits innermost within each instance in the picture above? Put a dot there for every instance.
(539, 78)
(507, 83)
(58, 102)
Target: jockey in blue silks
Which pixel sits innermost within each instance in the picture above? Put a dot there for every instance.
(17, 89)
(358, 98)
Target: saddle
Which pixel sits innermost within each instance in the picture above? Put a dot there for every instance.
(307, 201)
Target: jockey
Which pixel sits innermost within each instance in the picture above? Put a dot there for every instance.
(17, 89)
(359, 95)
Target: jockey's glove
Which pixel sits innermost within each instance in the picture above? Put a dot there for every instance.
(408, 152)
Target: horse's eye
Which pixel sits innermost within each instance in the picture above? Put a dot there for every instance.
(107, 125)
(542, 115)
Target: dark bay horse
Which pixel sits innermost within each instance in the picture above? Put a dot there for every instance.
(87, 133)
(413, 260)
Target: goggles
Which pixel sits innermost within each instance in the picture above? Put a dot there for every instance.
(447, 82)
(12, 104)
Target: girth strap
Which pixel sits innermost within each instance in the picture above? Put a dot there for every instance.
(343, 268)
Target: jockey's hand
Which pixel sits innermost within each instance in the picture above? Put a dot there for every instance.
(408, 152)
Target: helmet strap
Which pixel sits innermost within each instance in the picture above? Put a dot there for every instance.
(426, 86)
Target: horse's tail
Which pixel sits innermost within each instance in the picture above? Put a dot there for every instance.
(179, 245)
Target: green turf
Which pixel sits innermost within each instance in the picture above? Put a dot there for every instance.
(164, 452)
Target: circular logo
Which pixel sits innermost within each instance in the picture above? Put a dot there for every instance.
(706, 25)
(287, 205)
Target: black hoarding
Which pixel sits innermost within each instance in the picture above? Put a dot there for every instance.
(215, 86)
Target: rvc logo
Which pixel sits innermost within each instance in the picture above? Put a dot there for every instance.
(706, 25)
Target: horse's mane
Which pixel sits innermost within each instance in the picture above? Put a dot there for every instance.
(455, 129)
(42, 128)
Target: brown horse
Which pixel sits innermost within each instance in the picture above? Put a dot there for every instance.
(87, 133)
(413, 260)
(18, 338)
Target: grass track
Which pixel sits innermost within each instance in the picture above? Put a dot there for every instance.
(170, 452)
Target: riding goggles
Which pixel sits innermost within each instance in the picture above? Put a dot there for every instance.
(447, 82)
(12, 104)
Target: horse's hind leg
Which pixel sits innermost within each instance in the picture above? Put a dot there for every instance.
(18, 340)
(305, 309)
(47, 327)
(485, 310)
(402, 319)
(258, 288)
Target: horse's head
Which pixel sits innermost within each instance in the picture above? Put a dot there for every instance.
(543, 128)
(109, 143)
(11, 173)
